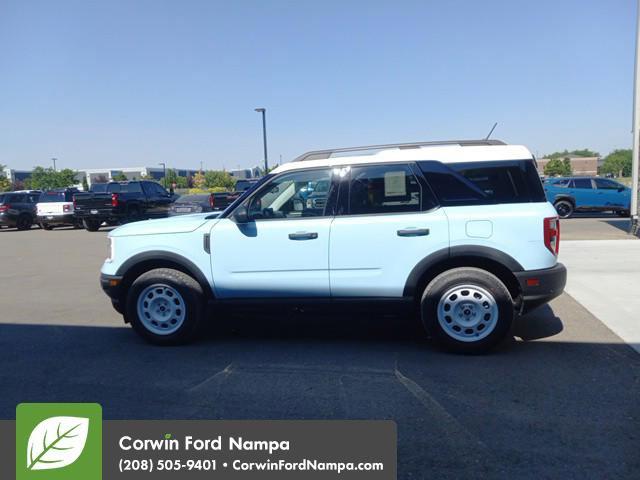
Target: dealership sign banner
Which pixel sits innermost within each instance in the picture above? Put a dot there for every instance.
(50, 441)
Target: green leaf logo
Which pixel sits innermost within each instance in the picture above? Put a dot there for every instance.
(57, 442)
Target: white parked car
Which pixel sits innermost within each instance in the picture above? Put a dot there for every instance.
(460, 230)
(55, 208)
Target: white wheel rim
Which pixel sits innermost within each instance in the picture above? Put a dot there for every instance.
(161, 309)
(467, 313)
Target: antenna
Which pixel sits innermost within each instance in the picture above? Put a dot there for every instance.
(491, 131)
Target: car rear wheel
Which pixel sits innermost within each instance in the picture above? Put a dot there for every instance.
(467, 310)
(24, 222)
(91, 225)
(165, 306)
(564, 208)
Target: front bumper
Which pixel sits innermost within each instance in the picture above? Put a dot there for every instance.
(541, 286)
(112, 286)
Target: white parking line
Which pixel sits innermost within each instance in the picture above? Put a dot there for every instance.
(604, 276)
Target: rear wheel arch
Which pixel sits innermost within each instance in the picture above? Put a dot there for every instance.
(491, 260)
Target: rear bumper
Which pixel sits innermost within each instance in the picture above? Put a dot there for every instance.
(541, 286)
(111, 285)
(6, 220)
(66, 219)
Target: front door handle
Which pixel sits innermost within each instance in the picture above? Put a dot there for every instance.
(413, 232)
(303, 236)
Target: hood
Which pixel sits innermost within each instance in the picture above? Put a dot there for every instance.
(179, 224)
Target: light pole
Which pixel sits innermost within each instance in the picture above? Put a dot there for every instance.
(54, 163)
(635, 159)
(164, 173)
(264, 136)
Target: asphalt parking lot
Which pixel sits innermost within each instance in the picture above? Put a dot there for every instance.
(558, 401)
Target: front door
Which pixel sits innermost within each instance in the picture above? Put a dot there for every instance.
(283, 250)
(612, 195)
(389, 226)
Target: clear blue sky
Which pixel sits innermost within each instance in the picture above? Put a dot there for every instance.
(132, 82)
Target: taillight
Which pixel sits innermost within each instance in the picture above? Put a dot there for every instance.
(114, 199)
(66, 208)
(4, 208)
(552, 234)
(212, 201)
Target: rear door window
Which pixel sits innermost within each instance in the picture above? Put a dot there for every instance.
(384, 189)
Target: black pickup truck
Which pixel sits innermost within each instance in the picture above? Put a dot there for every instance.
(121, 202)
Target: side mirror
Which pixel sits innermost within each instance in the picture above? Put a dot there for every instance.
(241, 214)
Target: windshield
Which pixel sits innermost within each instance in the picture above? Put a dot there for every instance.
(244, 195)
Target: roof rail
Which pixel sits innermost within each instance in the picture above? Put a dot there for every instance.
(322, 154)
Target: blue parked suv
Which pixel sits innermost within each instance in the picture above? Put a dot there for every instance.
(587, 194)
(459, 231)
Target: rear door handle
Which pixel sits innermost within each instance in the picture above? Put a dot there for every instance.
(303, 236)
(413, 232)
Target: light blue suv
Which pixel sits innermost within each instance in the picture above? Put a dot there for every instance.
(460, 232)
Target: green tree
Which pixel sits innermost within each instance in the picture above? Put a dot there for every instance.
(199, 180)
(85, 184)
(566, 165)
(617, 163)
(218, 179)
(5, 184)
(555, 167)
(585, 152)
(119, 177)
(47, 178)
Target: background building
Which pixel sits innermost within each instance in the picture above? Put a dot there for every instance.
(580, 166)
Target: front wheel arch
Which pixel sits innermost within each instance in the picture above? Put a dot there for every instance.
(144, 262)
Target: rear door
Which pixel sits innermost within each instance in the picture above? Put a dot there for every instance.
(583, 192)
(388, 222)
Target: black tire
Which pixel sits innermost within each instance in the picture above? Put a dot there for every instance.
(564, 208)
(24, 222)
(91, 225)
(192, 296)
(474, 278)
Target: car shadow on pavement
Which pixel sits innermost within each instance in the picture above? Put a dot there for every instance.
(623, 224)
(543, 408)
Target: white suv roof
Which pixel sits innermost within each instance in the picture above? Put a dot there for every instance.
(446, 152)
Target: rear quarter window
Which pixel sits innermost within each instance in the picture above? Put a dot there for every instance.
(484, 183)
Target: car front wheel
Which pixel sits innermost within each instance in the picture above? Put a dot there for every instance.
(165, 306)
(467, 310)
